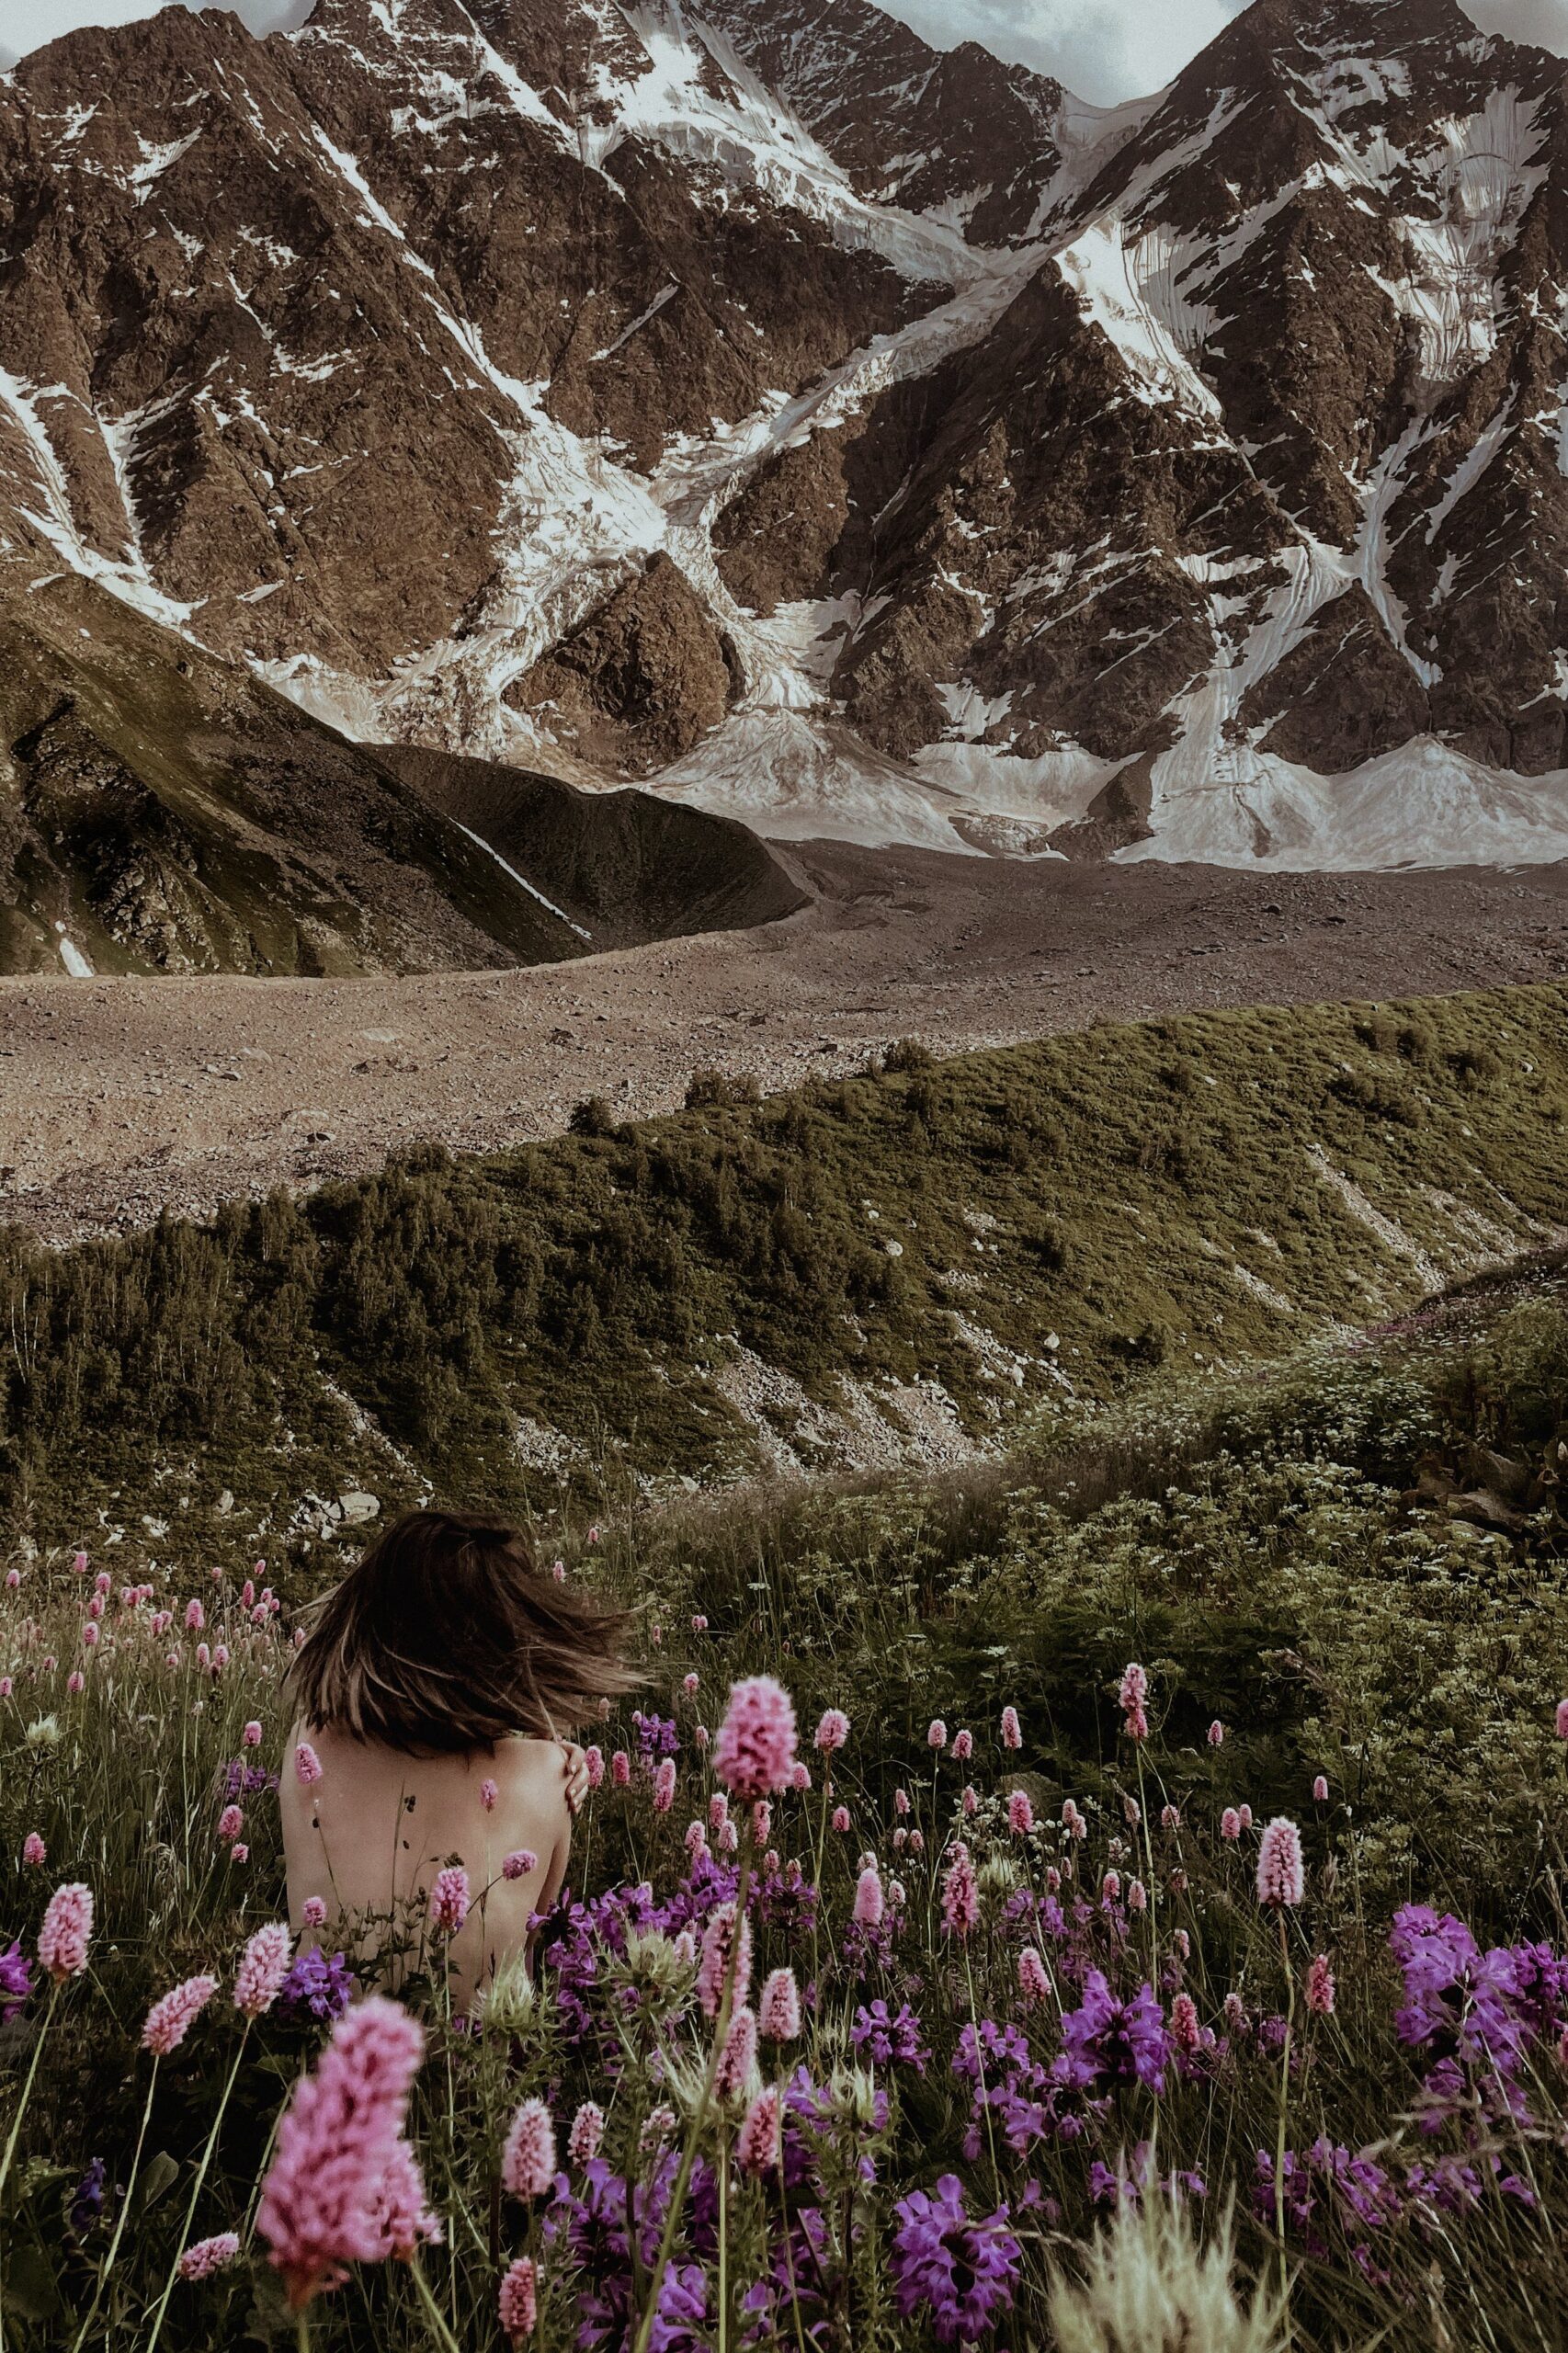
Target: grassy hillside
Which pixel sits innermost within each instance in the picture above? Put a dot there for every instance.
(913, 1263)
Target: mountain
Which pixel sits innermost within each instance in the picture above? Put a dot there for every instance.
(749, 401)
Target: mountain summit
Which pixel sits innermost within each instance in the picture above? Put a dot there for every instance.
(751, 401)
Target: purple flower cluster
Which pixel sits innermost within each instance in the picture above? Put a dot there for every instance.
(316, 1986)
(242, 1780)
(888, 2039)
(656, 1735)
(1471, 2013)
(959, 2270)
(15, 1981)
(1108, 2037)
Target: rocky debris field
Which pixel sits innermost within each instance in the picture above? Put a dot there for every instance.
(121, 1098)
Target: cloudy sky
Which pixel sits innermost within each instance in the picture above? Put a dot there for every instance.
(1103, 49)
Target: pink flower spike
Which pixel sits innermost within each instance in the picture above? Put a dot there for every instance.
(833, 1730)
(664, 1785)
(66, 1930)
(251, 1736)
(800, 1778)
(80, 1565)
(757, 2145)
(171, 2017)
(207, 2256)
(231, 1822)
(264, 1965)
(1562, 1720)
(1244, 1814)
(1021, 1813)
(307, 1765)
(583, 2140)
(960, 1893)
(714, 1964)
(400, 2213)
(1282, 1879)
(1131, 1699)
(312, 1910)
(1320, 1790)
(1216, 1733)
(449, 1900)
(840, 1818)
(779, 2012)
(519, 1864)
(488, 1793)
(239, 1852)
(937, 1733)
(1320, 1987)
(527, 2161)
(76, 1681)
(1012, 1732)
(738, 2057)
(619, 1770)
(1231, 1824)
(595, 1758)
(1034, 1983)
(1185, 2032)
(756, 1748)
(519, 2302)
(34, 1851)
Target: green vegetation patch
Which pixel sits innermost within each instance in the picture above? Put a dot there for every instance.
(996, 1239)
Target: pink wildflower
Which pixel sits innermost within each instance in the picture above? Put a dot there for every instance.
(619, 1770)
(1280, 1877)
(34, 1851)
(1320, 1790)
(901, 1803)
(80, 1565)
(1320, 1987)
(801, 1777)
(231, 1822)
(400, 2215)
(587, 2132)
(696, 1840)
(595, 1759)
(527, 2161)
(307, 1764)
(779, 2012)
(449, 1899)
(755, 1747)
(738, 2057)
(207, 2256)
(762, 1821)
(1034, 1983)
(1216, 1733)
(840, 1817)
(1021, 1813)
(519, 2302)
(960, 1893)
(65, 1930)
(312, 1910)
(1231, 1824)
(1244, 1814)
(729, 1838)
(194, 1617)
(251, 1736)
(76, 1681)
(718, 1809)
(1073, 1822)
(664, 1786)
(757, 2145)
(239, 1852)
(1137, 1896)
(1111, 1887)
(690, 1684)
(1012, 1732)
(91, 1634)
(1562, 1720)
(698, 1623)
(558, 1571)
(869, 1897)
(937, 1733)
(519, 1864)
(963, 1747)
(6, 1686)
(13, 1580)
(1236, 2014)
(833, 1730)
(1185, 2032)
(1170, 1817)
(488, 1793)
(264, 1965)
(971, 1800)
(717, 1939)
(1131, 1699)
(172, 2017)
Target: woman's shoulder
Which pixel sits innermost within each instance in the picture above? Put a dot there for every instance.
(535, 1765)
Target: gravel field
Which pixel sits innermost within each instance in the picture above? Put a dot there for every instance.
(119, 1098)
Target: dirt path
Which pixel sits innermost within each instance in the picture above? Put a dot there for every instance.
(119, 1099)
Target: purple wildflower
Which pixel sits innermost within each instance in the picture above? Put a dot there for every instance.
(961, 2271)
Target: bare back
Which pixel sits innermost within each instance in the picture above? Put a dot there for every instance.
(369, 1836)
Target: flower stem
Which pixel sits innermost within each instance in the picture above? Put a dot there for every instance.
(124, 2210)
(1284, 2106)
(432, 2309)
(195, 2194)
(17, 2119)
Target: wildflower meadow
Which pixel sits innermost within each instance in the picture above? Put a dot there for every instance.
(837, 2037)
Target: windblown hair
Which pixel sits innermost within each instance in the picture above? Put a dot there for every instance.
(447, 1638)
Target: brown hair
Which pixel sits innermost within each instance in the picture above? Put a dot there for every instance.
(446, 1637)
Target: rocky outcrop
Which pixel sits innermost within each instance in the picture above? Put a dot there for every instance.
(639, 682)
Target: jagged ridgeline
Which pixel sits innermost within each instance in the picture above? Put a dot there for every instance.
(906, 1266)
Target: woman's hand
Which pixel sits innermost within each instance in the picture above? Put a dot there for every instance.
(575, 1764)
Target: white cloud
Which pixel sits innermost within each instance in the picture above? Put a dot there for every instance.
(1104, 49)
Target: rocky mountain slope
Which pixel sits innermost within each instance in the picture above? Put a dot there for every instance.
(744, 398)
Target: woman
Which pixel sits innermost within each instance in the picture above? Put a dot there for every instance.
(432, 1698)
